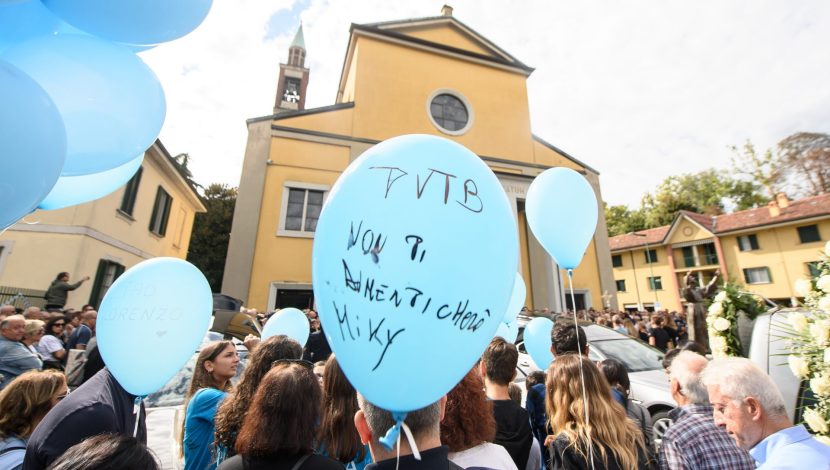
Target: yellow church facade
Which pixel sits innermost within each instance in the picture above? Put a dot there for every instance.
(419, 76)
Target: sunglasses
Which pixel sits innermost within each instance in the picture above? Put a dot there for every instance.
(61, 397)
(301, 362)
(59, 324)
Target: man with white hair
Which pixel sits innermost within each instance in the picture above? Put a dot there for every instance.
(694, 441)
(15, 357)
(749, 406)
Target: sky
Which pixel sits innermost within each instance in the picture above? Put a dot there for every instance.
(638, 90)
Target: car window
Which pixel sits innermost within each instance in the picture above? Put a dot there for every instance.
(635, 356)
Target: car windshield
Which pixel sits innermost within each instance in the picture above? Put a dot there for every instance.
(635, 356)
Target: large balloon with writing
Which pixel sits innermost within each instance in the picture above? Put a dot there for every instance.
(112, 104)
(289, 322)
(32, 144)
(537, 341)
(151, 320)
(562, 212)
(414, 259)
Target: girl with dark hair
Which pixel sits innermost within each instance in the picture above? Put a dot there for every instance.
(468, 427)
(337, 435)
(279, 431)
(51, 345)
(23, 404)
(107, 452)
(215, 367)
(233, 409)
(609, 439)
(614, 371)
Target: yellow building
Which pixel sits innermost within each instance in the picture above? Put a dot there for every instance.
(766, 249)
(151, 216)
(418, 76)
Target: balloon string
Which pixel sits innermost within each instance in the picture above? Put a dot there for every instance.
(21, 221)
(581, 372)
(137, 413)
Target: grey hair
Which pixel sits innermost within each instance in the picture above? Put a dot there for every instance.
(421, 422)
(739, 378)
(5, 322)
(686, 368)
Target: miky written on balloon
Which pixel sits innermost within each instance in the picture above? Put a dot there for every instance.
(414, 262)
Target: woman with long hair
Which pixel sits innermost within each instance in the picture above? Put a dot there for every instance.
(469, 427)
(215, 367)
(51, 346)
(337, 435)
(233, 409)
(279, 430)
(23, 403)
(608, 439)
(630, 329)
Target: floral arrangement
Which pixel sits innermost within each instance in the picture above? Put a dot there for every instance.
(809, 345)
(722, 319)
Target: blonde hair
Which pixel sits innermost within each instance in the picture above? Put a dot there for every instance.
(629, 326)
(26, 400)
(32, 328)
(609, 426)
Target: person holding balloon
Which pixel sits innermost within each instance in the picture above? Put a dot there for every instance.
(232, 411)
(215, 367)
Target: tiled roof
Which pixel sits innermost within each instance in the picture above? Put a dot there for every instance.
(806, 208)
(801, 209)
(653, 236)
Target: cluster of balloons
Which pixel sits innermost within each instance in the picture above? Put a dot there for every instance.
(79, 107)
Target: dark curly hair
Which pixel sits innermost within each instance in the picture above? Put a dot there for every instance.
(563, 337)
(232, 411)
(468, 417)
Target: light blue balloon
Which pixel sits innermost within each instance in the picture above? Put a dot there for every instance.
(32, 144)
(413, 264)
(72, 190)
(562, 212)
(112, 104)
(537, 341)
(133, 21)
(517, 300)
(289, 322)
(151, 320)
(508, 331)
(24, 20)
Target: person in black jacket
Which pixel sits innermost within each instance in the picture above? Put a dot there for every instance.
(99, 406)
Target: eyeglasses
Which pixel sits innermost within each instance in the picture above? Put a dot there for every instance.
(301, 362)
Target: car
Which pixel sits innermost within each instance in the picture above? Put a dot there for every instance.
(649, 383)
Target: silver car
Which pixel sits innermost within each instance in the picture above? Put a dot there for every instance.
(649, 383)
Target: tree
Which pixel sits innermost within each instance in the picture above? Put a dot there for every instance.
(805, 159)
(211, 233)
(708, 192)
(764, 170)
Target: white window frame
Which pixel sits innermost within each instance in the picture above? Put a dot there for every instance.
(464, 101)
(286, 188)
(276, 285)
(761, 269)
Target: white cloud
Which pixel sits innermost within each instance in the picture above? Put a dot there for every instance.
(638, 90)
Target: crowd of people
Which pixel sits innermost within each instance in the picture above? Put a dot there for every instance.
(293, 407)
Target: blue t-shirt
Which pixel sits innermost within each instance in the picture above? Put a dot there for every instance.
(81, 335)
(199, 429)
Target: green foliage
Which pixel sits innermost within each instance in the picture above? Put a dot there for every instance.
(707, 192)
(805, 162)
(211, 233)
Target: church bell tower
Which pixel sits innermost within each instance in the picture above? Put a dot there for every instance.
(293, 80)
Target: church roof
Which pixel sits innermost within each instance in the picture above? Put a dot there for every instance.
(299, 40)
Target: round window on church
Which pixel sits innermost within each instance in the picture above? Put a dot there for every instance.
(449, 112)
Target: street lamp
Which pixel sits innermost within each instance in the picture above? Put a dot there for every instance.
(651, 268)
